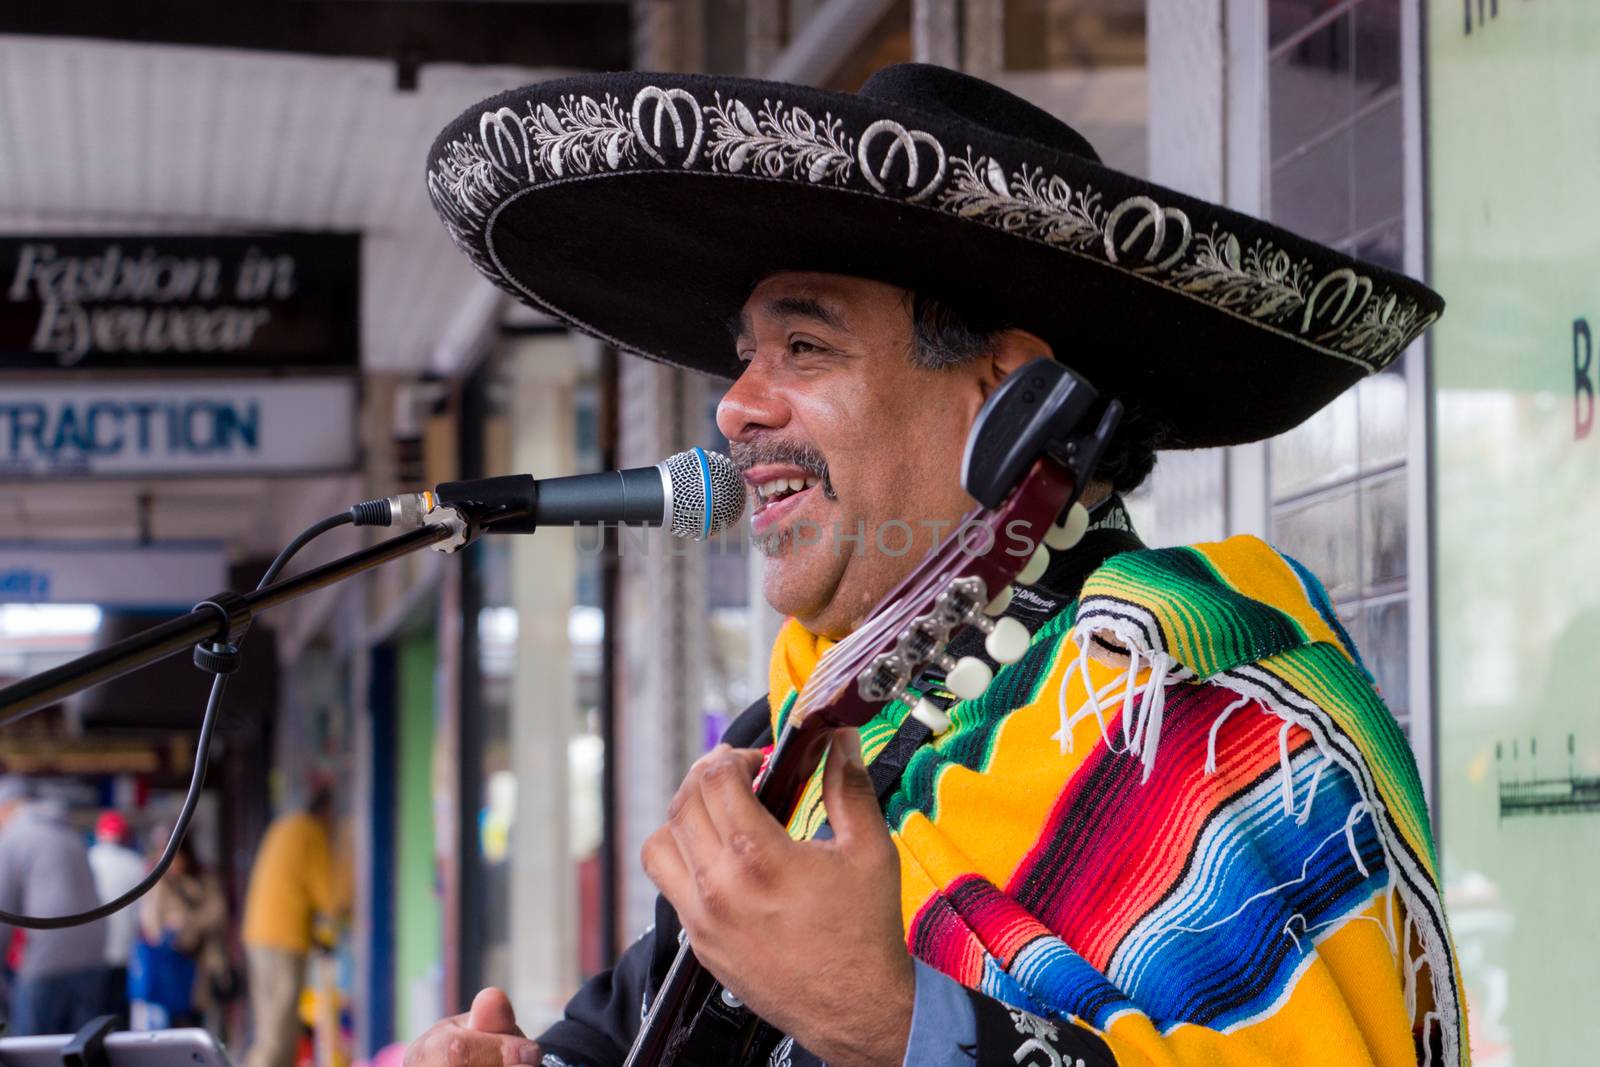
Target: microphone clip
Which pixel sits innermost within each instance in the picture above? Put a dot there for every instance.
(463, 528)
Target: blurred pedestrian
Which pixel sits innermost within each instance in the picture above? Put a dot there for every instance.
(117, 868)
(44, 870)
(181, 954)
(294, 880)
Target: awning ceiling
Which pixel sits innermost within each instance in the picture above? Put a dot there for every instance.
(109, 137)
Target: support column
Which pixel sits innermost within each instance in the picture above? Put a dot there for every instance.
(669, 35)
(1187, 140)
(661, 581)
(663, 641)
(1244, 174)
(936, 32)
(763, 35)
(544, 905)
(983, 50)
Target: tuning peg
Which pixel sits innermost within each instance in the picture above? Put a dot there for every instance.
(1035, 567)
(929, 715)
(1007, 641)
(969, 677)
(999, 604)
(1070, 530)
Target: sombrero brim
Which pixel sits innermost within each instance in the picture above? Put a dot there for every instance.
(642, 208)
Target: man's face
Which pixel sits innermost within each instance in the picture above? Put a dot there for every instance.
(838, 432)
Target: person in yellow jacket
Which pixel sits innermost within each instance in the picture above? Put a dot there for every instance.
(294, 881)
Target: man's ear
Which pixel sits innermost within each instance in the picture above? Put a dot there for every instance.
(1012, 348)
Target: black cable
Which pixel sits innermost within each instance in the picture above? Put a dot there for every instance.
(306, 536)
(202, 756)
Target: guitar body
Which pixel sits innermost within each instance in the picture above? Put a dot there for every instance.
(1027, 457)
(711, 1032)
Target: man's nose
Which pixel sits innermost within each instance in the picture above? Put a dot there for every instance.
(751, 405)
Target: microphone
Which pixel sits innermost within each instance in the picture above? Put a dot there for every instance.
(693, 494)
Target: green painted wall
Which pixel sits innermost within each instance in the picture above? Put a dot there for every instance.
(419, 920)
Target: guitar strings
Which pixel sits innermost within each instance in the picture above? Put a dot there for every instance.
(896, 614)
(849, 656)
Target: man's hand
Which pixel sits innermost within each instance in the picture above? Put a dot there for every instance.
(486, 1036)
(807, 933)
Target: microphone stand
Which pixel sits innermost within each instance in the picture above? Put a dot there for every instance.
(223, 618)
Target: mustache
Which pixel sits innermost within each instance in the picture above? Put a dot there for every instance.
(747, 454)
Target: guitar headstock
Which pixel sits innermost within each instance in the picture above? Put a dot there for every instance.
(1032, 448)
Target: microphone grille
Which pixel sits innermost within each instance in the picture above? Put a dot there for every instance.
(707, 493)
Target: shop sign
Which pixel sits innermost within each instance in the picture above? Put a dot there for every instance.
(131, 576)
(194, 302)
(147, 429)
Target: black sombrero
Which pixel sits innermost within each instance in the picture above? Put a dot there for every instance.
(642, 209)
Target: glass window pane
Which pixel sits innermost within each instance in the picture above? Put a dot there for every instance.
(1354, 622)
(1324, 534)
(1311, 87)
(1388, 653)
(1285, 18)
(1311, 191)
(1383, 532)
(1381, 400)
(1379, 167)
(1319, 451)
(1377, 48)
(1384, 248)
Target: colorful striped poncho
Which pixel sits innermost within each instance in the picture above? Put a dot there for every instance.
(1209, 848)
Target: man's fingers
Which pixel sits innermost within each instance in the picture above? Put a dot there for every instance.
(738, 815)
(847, 791)
(470, 1048)
(691, 826)
(491, 1013)
(664, 865)
(451, 1044)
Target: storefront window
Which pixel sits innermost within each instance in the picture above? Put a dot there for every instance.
(1336, 174)
(1511, 162)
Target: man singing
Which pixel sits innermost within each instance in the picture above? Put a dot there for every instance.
(1182, 829)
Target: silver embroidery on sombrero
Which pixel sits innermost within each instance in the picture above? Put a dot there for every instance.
(505, 143)
(908, 145)
(1385, 325)
(1046, 208)
(1342, 313)
(655, 141)
(1041, 206)
(580, 134)
(1168, 228)
(465, 186)
(577, 136)
(777, 141)
(1261, 281)
(1339, 311)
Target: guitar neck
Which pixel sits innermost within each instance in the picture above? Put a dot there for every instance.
(797, 754)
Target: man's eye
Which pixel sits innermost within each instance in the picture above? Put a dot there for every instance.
(799, 345)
